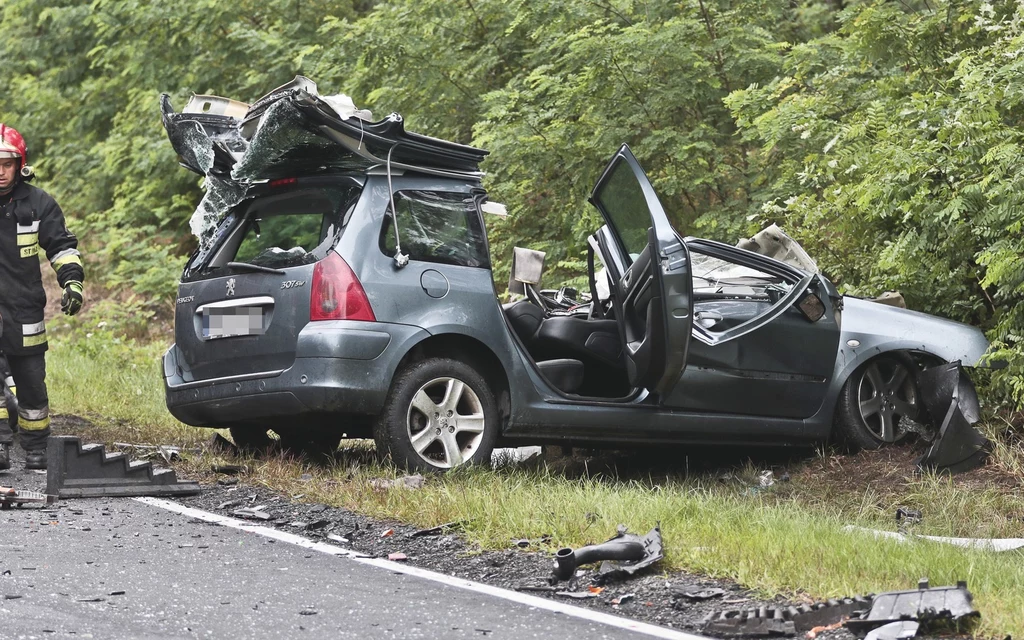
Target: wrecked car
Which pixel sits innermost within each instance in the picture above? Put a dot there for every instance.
(343, 288)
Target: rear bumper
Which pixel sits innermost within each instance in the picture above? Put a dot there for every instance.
(341, 367)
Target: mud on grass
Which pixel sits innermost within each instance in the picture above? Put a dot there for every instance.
(767, 545)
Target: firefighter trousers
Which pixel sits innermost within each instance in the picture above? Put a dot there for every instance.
(29, 373)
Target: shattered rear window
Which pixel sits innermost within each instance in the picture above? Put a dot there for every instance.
(279, 230)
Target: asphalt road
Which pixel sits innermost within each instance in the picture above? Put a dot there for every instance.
(120, 568)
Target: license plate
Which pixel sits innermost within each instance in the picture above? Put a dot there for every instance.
(232, 321)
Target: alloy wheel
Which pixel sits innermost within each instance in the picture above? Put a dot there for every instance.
(886, 392)
(445, 422)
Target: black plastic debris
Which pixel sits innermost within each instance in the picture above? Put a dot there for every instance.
(438, 530)
(950, 399)
(932, 607)
(783, 621)
(623, 555)
(74, 470)
(753, 623)
(905, 515)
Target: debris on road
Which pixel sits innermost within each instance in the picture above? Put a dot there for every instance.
(931, 607)
(10, 497)
(577, 595)
(623, 555)
(703, 594)
(75, 470)
(405, 482)
(438, 530)
(949, 397)
(621, 600)
(397, 557)
(784, 621)
(251, 513)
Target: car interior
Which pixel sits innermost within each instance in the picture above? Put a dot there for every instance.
(574, 337)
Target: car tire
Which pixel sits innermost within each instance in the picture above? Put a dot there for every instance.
(874, 399)
(440, 414)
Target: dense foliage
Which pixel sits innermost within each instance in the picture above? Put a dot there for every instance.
(885, 136)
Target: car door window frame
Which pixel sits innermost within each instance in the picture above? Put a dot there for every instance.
(803, 282)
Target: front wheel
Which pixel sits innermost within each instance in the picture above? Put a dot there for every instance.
(873, 401)
(440, 414)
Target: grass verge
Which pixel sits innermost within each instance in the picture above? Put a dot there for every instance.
(789, 538)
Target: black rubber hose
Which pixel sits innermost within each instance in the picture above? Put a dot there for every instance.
(567, 560)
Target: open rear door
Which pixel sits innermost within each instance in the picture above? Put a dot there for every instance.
(653, 297)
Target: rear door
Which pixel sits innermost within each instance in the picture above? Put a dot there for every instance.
(243, 301)
(653, 295)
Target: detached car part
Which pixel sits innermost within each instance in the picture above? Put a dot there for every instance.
(950, 399)
(783, 621)
(639, 551)
(929, 606)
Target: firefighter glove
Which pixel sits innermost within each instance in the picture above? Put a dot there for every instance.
(72, 299)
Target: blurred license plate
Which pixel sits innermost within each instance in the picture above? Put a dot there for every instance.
(232, 321)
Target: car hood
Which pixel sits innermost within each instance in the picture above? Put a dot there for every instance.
(884, 328)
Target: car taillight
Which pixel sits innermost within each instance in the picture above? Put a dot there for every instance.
(336, 293)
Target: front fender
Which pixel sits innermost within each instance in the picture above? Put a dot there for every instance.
(877, 328)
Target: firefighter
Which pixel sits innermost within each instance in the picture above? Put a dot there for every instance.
(31, 223)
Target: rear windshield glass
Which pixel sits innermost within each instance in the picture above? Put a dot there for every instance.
(280, 230)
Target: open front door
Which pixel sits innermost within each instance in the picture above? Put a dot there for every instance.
(653, 296)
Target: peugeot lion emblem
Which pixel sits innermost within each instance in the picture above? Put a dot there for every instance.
(231, 287)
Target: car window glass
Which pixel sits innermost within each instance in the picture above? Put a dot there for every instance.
(623, 202)
(437, 227)
(292, 229)
(718, 276)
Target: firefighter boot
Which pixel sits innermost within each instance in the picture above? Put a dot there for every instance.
(5, 456)
(35, 459)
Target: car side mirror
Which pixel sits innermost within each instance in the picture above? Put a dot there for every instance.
(812, 307)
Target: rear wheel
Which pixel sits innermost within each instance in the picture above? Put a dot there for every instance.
(874, 400)
(440, 414)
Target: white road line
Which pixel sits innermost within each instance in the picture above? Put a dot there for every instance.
(497, 592)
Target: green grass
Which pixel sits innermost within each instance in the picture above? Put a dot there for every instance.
(787, 539)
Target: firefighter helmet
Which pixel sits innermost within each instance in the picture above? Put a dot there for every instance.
(12, 145)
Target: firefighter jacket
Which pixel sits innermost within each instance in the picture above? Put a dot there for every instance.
(31, 223)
